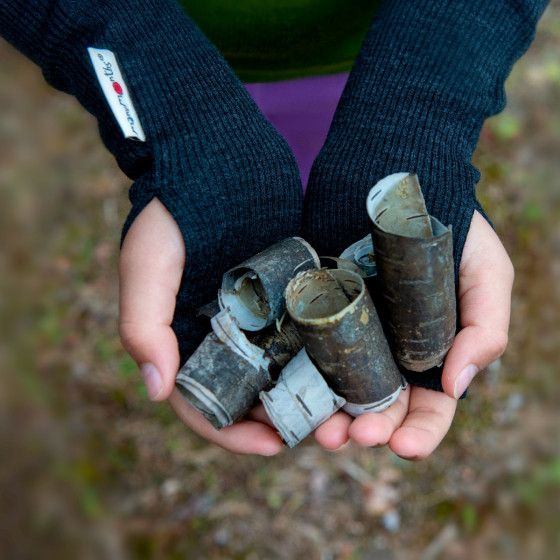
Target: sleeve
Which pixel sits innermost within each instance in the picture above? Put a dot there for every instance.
(428, 75)
(199, 144)
(158, 49)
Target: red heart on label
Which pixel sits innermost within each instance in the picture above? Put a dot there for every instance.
(117, 87)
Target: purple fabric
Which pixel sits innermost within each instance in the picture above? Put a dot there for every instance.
(301, 110)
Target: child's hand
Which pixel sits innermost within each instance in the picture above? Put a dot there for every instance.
(151, 266)
(417, 422)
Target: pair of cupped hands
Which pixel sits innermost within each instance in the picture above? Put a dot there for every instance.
(151, 267)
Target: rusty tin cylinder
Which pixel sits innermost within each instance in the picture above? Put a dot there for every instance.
(344, 338)
(414, 257)
(254, 290)
(300, 401)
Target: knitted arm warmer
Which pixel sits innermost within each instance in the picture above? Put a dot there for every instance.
(428, 74)
(223, 172)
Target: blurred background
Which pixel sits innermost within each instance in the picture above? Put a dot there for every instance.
(90, 468)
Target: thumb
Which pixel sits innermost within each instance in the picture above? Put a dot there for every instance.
(485, 285)
(150, 269)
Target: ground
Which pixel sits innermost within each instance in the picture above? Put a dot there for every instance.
(91, 469)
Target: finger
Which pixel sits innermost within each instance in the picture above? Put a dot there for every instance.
(258, 414)
(429, 417)
(485, 285)
(375, 429)
(150, 269)
(333, 433)
(245, 437)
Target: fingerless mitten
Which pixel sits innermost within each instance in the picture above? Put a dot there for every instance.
(226, 176)
(428, 74)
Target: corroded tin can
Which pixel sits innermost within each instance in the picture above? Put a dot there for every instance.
(344, 338)
(254, 290)
(414, 258)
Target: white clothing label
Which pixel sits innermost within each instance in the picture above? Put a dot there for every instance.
(115, 91)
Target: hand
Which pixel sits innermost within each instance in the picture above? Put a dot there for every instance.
(418, 421)
(151, 266)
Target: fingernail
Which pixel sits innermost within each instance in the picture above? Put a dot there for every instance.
(152, 380)
(464, 379)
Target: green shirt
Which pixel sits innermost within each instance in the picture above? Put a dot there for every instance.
(266, 40)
